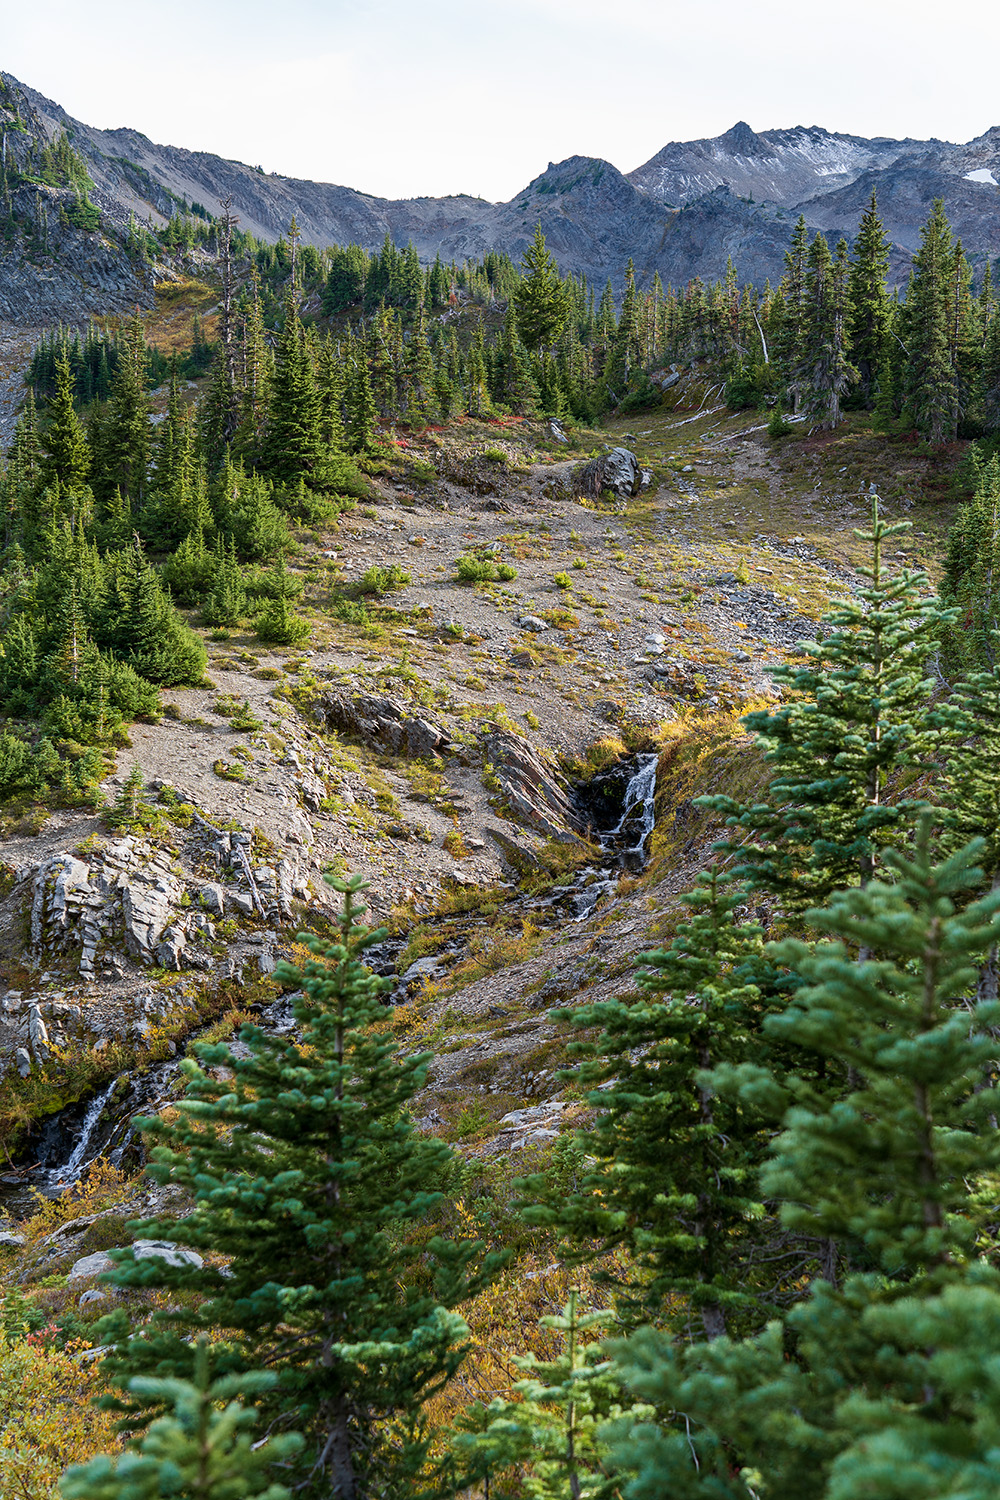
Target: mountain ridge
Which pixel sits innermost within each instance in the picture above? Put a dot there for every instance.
(680, 214)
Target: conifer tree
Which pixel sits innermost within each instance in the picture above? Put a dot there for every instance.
(870, 306)
(122, 453)
(139, 623)
(419, 371)
(886, 1170)
(625, 345)
(361, 409)
(552, 1431)
(823, 371)
(672, 1174)
(930, 382)
(67, 453)
(539, 298)
(201, 1448)
(972, 571)
(860, 711)
(306, 1172)
(791, 341)
(292, 446)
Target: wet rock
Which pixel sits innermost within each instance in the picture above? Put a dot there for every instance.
(386, 724)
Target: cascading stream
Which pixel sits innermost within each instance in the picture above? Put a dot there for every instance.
(72, 1170)
(105, 1130)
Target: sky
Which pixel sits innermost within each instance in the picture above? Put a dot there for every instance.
(401, 98)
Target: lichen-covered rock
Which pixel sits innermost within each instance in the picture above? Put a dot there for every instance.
(618, 471)
(386, 725)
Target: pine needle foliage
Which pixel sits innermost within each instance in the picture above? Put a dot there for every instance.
(671, 1169)
(857, 713)
(307, 1174)
(201, 1448)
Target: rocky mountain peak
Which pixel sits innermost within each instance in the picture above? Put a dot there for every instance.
(740, 140)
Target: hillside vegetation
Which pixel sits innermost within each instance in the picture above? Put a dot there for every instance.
(614, 1157)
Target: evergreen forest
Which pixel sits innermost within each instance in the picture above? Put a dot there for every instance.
(773, 1209)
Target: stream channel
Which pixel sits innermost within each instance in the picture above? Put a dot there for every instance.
(618, 804)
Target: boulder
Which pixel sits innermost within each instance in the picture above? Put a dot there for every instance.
(88, 1267)
(38, 1035)
(618, 471)
(95, 1294)
(147, 912)
(171, 947)
(211, 897)
(535, 790)
(386, 724)
(168, 1251)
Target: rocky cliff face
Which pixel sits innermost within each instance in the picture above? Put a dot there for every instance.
(56, 262)
(680, 214)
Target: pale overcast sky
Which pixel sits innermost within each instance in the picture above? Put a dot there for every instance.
(400, 98)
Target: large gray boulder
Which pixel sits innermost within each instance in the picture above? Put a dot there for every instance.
(618, 471)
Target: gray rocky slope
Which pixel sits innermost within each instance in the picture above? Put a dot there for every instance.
(681, 213)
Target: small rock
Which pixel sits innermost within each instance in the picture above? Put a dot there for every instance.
(532, 622)
(211, 897)
(95, 1294)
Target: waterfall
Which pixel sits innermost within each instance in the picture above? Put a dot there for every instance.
(72, 1170)
(640, 798)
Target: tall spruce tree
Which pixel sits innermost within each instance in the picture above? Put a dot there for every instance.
(67, 453)
(823, 371)
(292, 446)
(307, 1174)
(790, 341)
(870, 317)
(930, 379)
(859, 712)
(540, 297)
(813, 1410)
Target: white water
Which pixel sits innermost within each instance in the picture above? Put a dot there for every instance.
(640, 793)
(639, 797)
(71, 1171)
